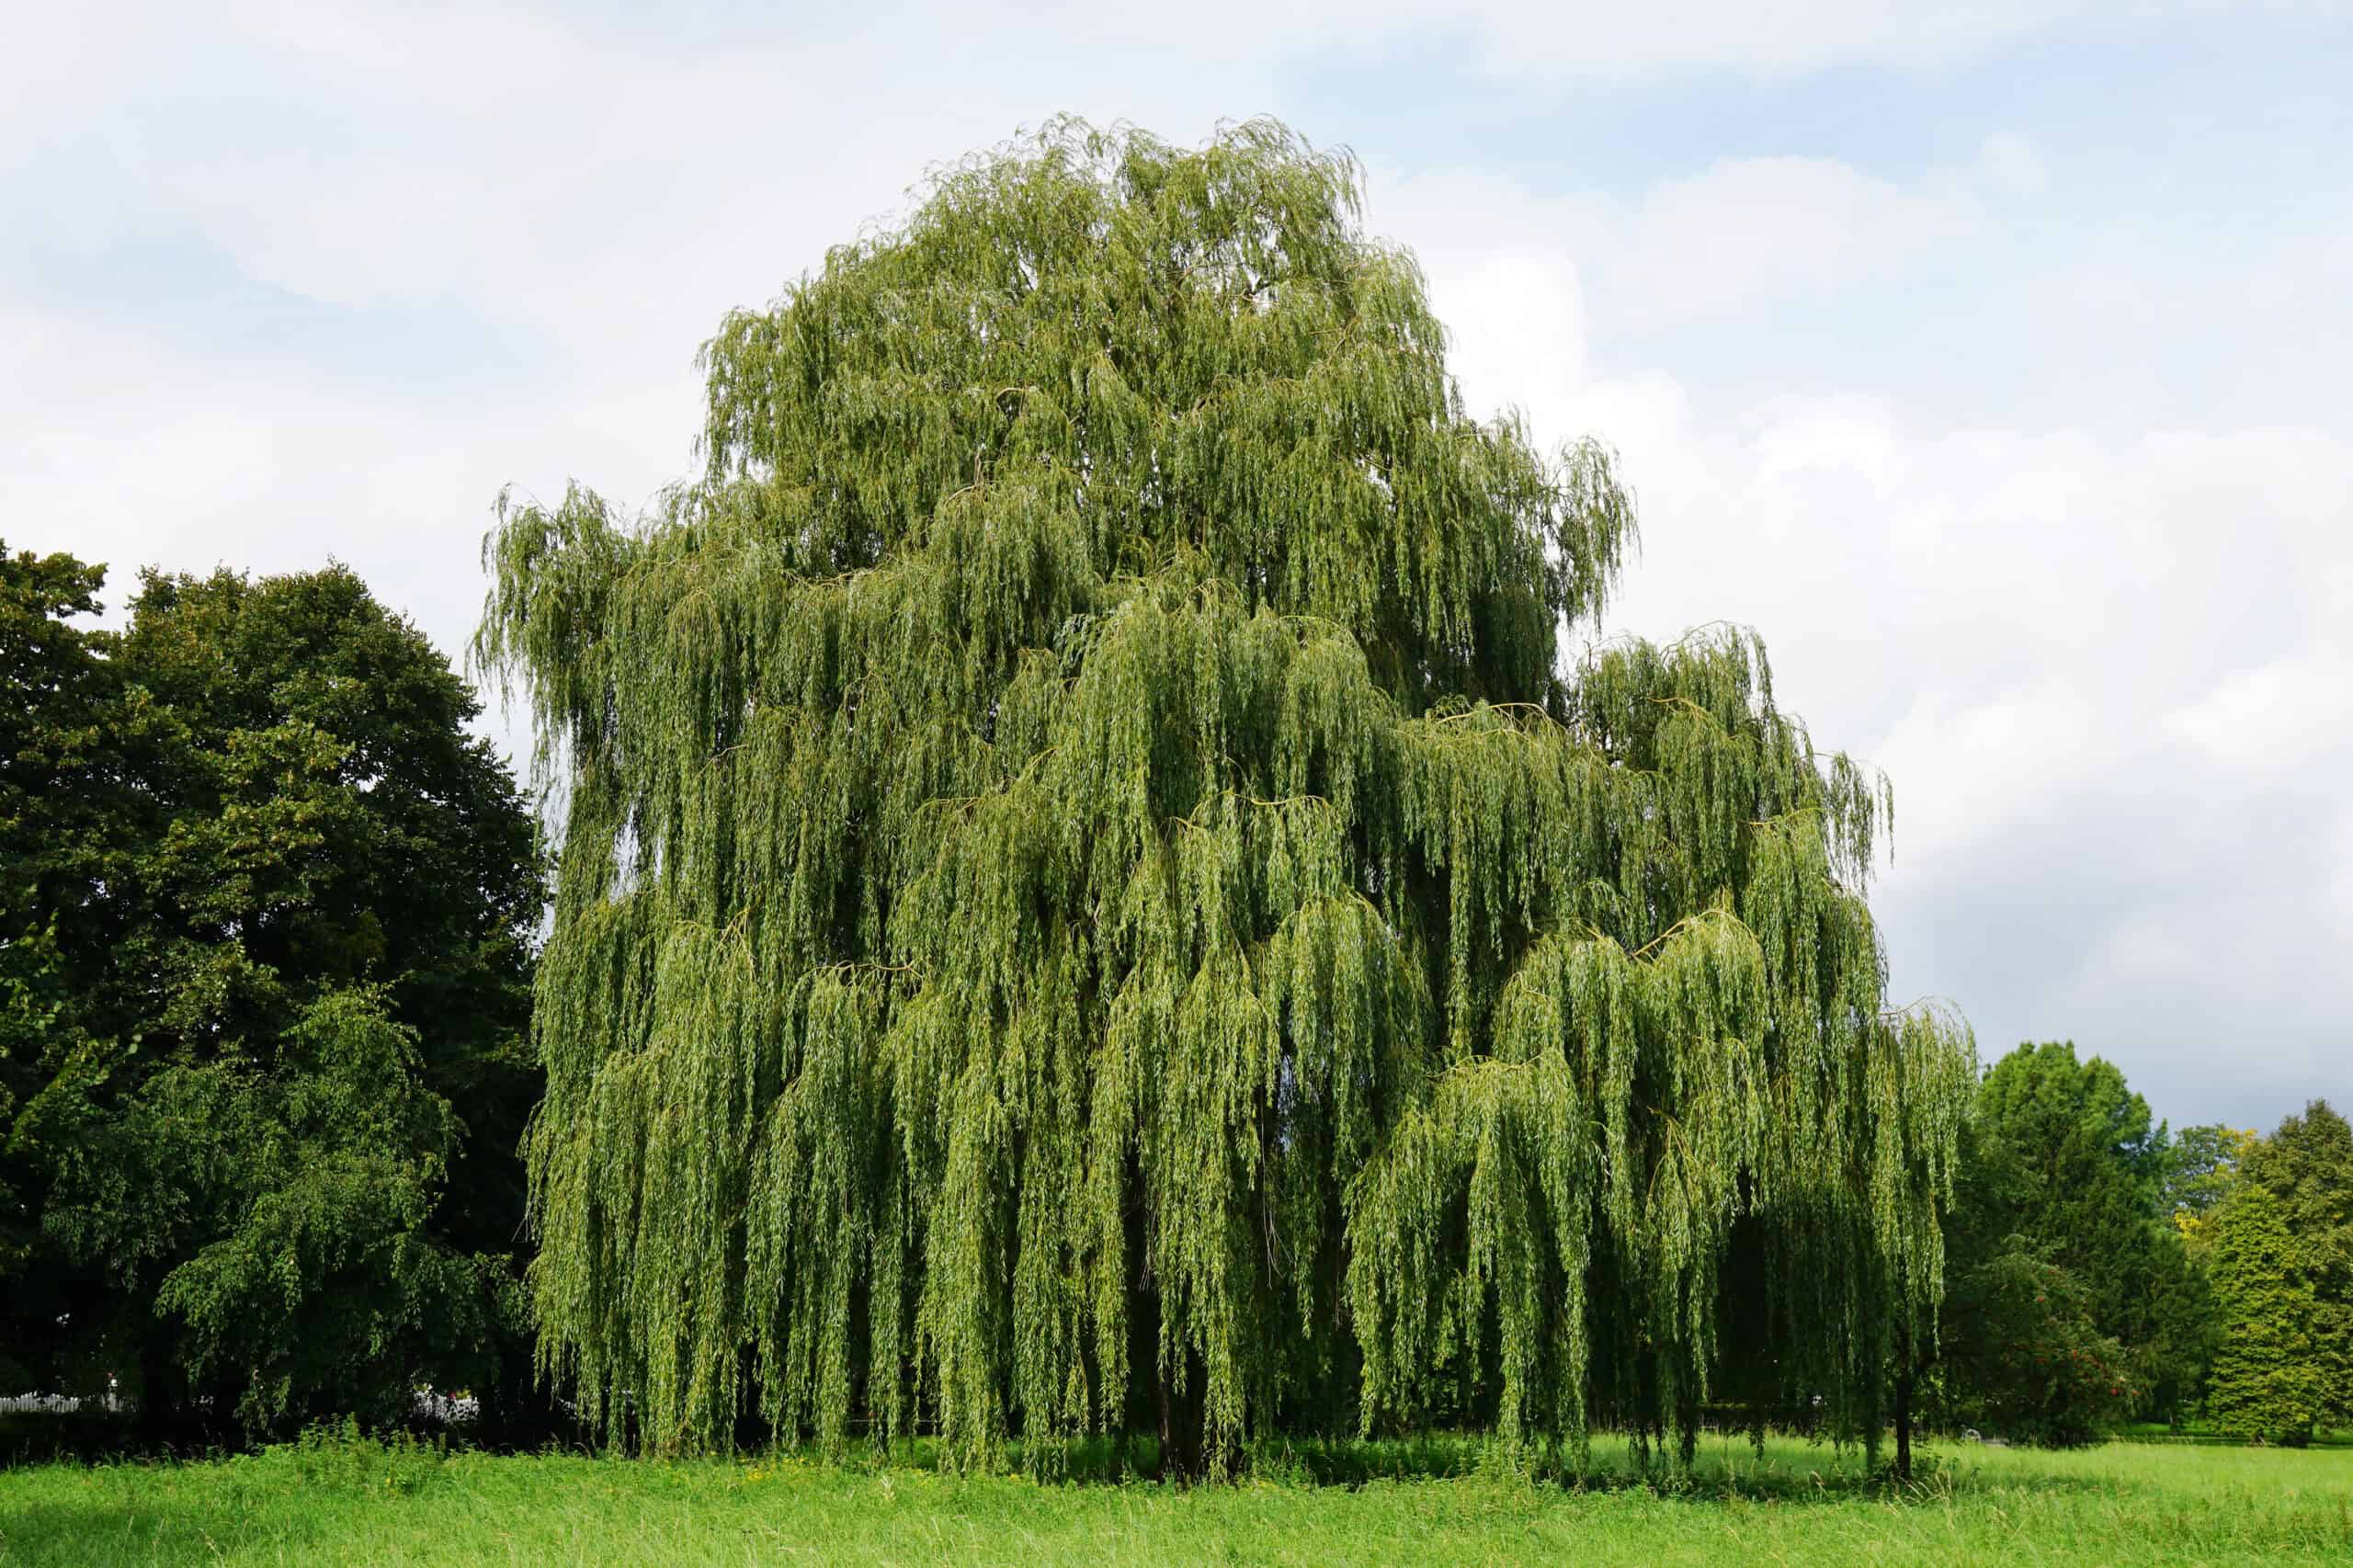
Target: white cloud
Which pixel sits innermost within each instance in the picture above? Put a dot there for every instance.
(2107, 671)
(2010, 160)
(1752, 227)
(2102, 682)
(128, 453)
(2275, 717)
(1740, 234)
(1589, 39)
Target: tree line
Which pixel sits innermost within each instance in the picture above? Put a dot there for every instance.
(1086, 899)
(264, 1000)
(2104, 1269)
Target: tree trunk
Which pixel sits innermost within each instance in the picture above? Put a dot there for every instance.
(1183, 1413)
(161, 1417)
(1903, 1426)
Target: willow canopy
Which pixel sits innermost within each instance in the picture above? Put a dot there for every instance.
(1089, 902)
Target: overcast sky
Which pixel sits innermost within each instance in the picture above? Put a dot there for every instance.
(1992, 359)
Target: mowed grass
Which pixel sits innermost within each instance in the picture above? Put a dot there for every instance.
(1439, 1504)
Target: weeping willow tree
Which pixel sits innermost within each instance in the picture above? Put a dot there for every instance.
(1089, 900)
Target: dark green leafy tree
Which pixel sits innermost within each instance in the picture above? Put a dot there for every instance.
(2271, 1377)
(266, 1037)
(2025, 1354)
(62, 810)
(2064, 1168)
(304, 1268)
(1088, 899)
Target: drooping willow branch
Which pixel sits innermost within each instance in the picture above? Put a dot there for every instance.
(1313, 1005)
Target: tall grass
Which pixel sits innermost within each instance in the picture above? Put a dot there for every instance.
(346, 1498)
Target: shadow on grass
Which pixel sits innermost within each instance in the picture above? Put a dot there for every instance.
(1099, 1461)
(45, 1437)
(1790, 1470)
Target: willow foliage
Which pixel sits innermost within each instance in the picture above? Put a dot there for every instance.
(1089, 900)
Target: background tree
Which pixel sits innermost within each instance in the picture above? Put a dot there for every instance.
(2024, 1354)
(2271, 1372)
(2064, 1187)
(59, 796)
(2306, 1165)
(1089, 900)
(2201, 1168)
(283, 902)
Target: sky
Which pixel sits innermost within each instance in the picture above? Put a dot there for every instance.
(1991, 360)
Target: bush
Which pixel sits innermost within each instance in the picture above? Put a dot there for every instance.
(344, 1457)
(2027, 1360)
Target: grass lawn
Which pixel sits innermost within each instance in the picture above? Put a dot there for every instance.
(1799, 1504)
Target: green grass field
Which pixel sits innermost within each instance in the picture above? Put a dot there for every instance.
(1799, 1504)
